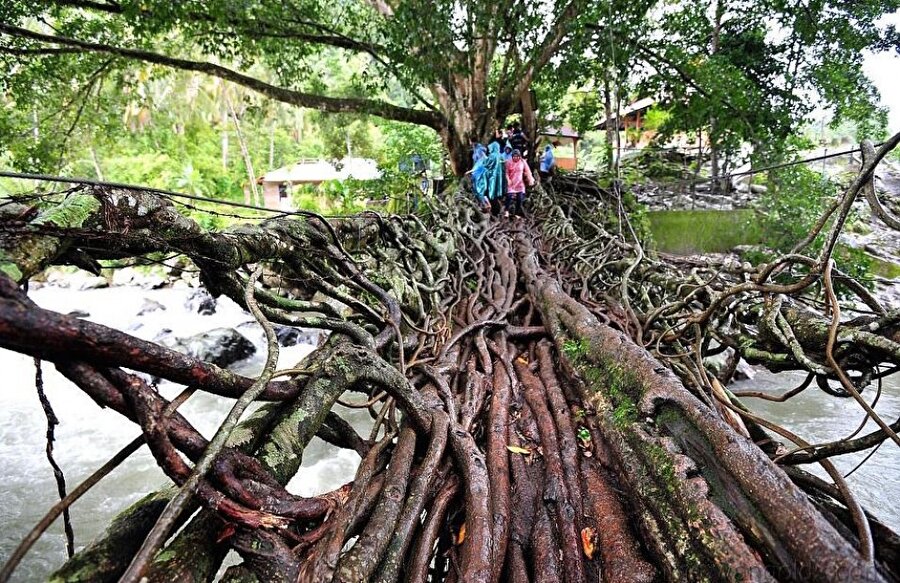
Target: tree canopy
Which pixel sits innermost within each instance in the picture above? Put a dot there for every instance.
(544, 402)
(749, 70)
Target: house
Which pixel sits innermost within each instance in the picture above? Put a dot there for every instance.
(278, 184)
(565, 141)
(630, 118)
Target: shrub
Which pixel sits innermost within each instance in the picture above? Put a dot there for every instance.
(796, 198)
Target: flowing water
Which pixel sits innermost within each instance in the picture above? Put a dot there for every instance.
(818, 417)
(88, 436)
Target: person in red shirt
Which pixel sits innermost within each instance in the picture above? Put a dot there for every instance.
(517, 174)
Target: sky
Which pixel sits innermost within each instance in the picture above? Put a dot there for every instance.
(884, 70)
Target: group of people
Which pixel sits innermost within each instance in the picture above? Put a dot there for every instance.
(500, 172)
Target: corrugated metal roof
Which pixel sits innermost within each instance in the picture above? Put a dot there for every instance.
(639, 105)
(563, 132)
(314, 171)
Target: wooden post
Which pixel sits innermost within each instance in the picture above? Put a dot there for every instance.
(575, 152)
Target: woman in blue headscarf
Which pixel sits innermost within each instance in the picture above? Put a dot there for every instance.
(548, 163)
(487, 178)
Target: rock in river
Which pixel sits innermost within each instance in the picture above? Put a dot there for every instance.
(220, 346)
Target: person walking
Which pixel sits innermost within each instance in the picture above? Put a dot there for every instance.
(518, 141)
(478, 152)
(548, 164)
(517, 174)
(488, 177)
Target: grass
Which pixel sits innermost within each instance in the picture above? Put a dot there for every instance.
(703, 231)
(885, 268)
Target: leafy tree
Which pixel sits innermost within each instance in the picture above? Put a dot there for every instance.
(740, 70)
(428, 63)
(752, 71)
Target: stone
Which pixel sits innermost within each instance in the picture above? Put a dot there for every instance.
(202, 303)
(289, 336)
(744, 371)
(124, 276)
(150, 306)
(93, 282)
(220, 346)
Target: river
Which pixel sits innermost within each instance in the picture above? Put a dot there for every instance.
(88, 436)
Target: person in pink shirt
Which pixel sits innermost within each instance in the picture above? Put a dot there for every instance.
(517, 174)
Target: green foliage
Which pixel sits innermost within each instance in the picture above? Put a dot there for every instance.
(71, 212)
(593, 151)
(575, 349)
(583, 434)
(398, 141)
(792, 205)
(718, 68)
(344, 196)
(660, 165)
(581, 109)
(174, 131)
(704, 231)
(625, 412)
(9, 268)
(655, 118)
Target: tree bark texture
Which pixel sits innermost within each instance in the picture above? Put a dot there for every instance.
(543, 411)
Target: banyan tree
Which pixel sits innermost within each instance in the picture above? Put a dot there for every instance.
(544, 408)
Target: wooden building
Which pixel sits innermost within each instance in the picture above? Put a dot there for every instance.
(278, 184)
(630, 118)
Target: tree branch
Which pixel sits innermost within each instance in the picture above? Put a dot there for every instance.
(320, 102)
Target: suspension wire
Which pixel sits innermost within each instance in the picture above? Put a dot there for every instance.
(160, 191)
(753, 171)
(612, 54)
(796, 162)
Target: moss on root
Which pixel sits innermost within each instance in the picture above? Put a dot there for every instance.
(648, 469)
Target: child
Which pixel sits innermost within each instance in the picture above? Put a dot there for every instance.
(517, 174)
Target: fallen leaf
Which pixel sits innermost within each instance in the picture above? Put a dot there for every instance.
(522, 360)
(517, 449)
(588, 538)
(462, 534)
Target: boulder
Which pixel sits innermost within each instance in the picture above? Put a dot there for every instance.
(83, 283)
(124, 276)
(744, 371)
(220, 346)
(288, 336)
(202, 303)
(150, 306)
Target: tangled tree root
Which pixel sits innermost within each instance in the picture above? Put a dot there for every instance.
(542, 408)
